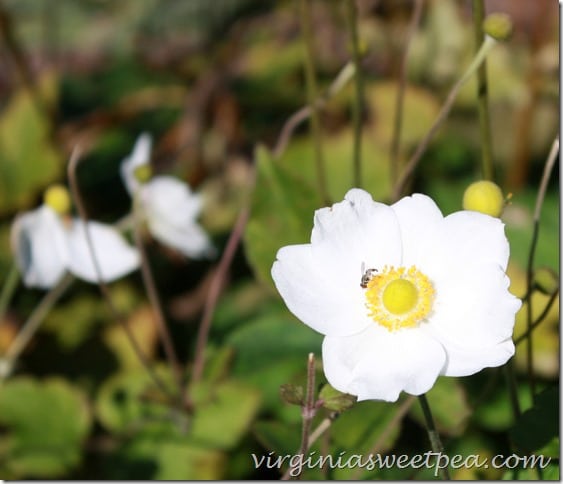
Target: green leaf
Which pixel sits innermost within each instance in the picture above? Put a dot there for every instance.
(272, 349)
(281, 438)
(364, 429)
(146, 457)
(539, 425)
(298, 160)
(334, 400)
(129, 401)
(46, 423)
(29, 160)
(449, 406)
(282, 214)
(225, 415)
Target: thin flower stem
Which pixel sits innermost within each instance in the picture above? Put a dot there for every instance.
(307, 413)
(72, 164)
(8, 289)
(214, 292)
(289, 127)
(154, 299)
(397, 125)
(550, 163)
(357, 103)
(510, 378)
(312, 95)
(539, 319)
(35, 319)
(482, 95)
(487, 45)
(433, 435)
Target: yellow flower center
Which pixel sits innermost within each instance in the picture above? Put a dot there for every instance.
(399, 298)
(143, 173)
(58, 198)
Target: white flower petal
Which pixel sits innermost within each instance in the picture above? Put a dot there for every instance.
(166, 197)
(139, 156)
(474, 314)
(315, 294)
(359, 230)
(115, 258)
(171, 209)
(421, 224)
(377, 364)
(34, 241)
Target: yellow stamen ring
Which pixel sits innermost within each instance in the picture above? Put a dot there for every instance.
(399, 298)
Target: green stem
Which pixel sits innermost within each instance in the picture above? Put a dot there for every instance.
(312, 95)
(398, 123)
(539, 319)
(487, 45)
(510, 379)
(103, 287)
(351, 15)
(10, 285)
(307, 413)
(550, 163)
(154, 299)
(33, 322)
(482, 95)
(433, 435)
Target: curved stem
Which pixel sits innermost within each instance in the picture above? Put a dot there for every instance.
(550, 163)
(397, 125)
(154, 299)
(214, 292)
(351, 14)
(482, 95)
(72, 164)
(442, 115)
(433, 435)
(312, 94)
(10, 285)
(34, 321)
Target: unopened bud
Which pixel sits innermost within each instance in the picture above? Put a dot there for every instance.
(498, 26)
(485, 197)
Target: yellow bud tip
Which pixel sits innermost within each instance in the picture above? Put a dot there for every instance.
(58, 198)
(143, 173)
(400, 296)
(485, 197)
(498, 26)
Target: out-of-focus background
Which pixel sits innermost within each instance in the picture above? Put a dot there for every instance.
(211, 80)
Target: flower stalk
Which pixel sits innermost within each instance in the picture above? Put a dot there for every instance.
(352, 18)
(398, 122)
(312, 95)
(72, 165)
(482, 95)
(154, 299)
(32, 324)
(10, 285)
(550, 163)
(433, 435)
(479, 58)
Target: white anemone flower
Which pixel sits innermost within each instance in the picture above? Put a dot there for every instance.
(47, 243)
(169, 206)
(401, 293)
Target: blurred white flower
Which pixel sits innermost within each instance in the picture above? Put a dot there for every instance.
(401, 293)
(47, 243)
(168, 205)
